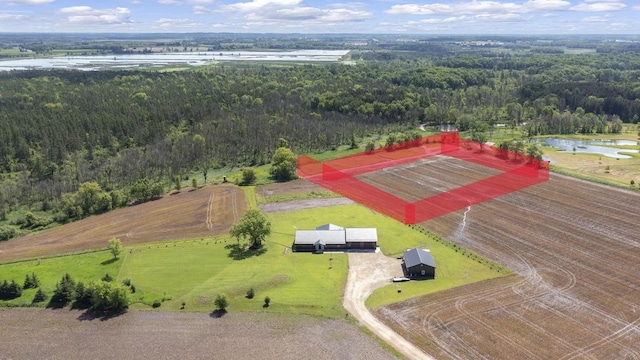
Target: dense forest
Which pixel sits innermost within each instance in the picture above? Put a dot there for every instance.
(75, 143)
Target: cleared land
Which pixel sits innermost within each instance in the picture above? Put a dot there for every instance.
(575, 247)
(64, 334)
(295, 187)
(427, 177)
(207, 211)
(598, 167)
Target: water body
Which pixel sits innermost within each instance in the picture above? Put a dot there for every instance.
(591, 146)
(133, 61)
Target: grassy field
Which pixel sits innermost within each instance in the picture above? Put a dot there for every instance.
(195, 271)
(597, 168)
(85, 267)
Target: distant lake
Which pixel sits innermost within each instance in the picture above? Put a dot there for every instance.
(591, 146)
(134, 61)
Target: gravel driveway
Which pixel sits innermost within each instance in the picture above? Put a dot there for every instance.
(367, 272)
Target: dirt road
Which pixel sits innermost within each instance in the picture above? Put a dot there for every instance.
(367, 272)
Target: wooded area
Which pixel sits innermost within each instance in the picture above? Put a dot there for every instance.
(62, 129)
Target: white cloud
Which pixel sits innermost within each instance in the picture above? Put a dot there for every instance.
(469, 7)
(169, 2)
(482, 7)
(177, 23)
(344, 15)
(200, 2)
(489, 6)
(451, 19)
(507, 17)
(294, 11)
(546, 5)
(201, 10)
(8, 17)
(26, 2)
(415, 9)
(599, 6)
(259, 4)
(297, 13)
(87, 14)
(594, 19)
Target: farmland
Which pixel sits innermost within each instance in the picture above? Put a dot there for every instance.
(574, 246)
(202, 212)
(64, 334)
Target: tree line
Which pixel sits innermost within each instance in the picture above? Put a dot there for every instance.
(79, 143)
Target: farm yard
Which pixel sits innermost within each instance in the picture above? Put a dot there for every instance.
(206, 211)
(575, 248)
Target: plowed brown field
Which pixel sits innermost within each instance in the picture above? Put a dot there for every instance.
(575, 247)
(207, 211)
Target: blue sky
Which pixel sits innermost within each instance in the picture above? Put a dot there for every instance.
(311, 16)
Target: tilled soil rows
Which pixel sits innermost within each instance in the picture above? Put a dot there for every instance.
(207, 211)
(575, 247)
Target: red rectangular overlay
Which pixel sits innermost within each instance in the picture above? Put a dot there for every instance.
(517, 172)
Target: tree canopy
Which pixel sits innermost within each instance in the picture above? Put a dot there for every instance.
(115, 247)
(254, 226)
(283, 164)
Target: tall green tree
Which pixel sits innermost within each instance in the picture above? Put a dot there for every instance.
(115, 247)
(109, 296)
(253, 226)
(283, 164)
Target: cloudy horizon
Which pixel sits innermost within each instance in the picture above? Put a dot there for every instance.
(516, 17)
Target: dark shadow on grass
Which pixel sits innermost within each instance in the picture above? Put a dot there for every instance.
(91, 315)
(217, 313)
(240, 252)
(110, 261)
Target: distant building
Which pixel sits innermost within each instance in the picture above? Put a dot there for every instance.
(330, 237)
(419, 263)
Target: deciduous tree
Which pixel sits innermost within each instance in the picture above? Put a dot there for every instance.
(283, 164)
(115, 247)
(253, 226)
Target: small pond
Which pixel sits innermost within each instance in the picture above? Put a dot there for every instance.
(591, 146)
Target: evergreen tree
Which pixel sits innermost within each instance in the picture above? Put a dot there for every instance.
(64, 293)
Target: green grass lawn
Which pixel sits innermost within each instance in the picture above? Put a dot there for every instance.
(195, 271)
(86, 267)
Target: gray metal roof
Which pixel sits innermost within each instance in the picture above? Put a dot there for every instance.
(415, 256)
(310, 237)
(329, 227)
(361, 234)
